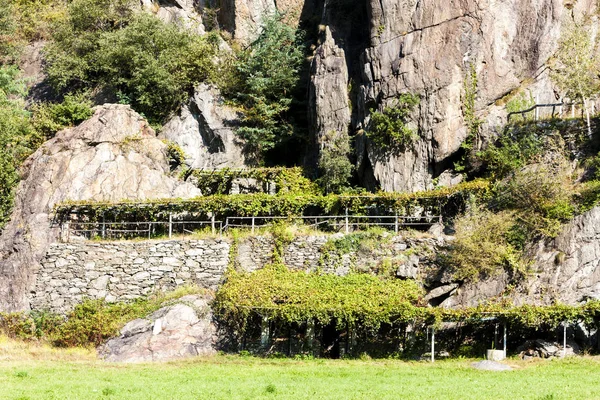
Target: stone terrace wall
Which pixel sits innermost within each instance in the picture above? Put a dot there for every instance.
(125, 270)
(118, 271)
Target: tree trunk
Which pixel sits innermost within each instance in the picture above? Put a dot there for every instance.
(587, 116)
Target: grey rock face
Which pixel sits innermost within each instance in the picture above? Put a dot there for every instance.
(113, 156)
(183, 12)
(429, 48)
(329, 111)
(205, 132)
(182, 330)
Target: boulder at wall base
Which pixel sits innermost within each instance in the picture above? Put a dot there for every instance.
(182, 330)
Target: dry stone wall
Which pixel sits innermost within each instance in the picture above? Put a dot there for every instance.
(121, 271)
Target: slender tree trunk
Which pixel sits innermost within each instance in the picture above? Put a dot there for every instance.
(587, 116)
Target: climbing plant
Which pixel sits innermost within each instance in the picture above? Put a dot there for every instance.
(286, 204)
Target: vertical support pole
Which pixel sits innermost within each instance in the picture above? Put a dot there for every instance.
(310, 335)
(103, 227)
(396, 224)
(347, 227)
(149, 229)
(212, 223)
(572, 110)
(537, 113)
(264, 333)
(564, 340)
(170, 225)
(504, 340)
(252, 224)
(495, 336)
(432, 344)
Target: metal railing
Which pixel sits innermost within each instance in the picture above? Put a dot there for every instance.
(337, 222)
(130, 230)
(78, 230)
(555, 110)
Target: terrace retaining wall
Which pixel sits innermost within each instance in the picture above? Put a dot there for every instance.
(125, 270)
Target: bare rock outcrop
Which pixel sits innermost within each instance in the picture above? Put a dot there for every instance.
(187, 13)
(113, 156)
(204, 130)
(182, 330)
(329, 111)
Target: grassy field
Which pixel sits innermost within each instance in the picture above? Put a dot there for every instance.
(37, 372)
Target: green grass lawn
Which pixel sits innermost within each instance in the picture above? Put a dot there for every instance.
(51, 374)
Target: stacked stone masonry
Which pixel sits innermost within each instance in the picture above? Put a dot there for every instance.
(121, 271)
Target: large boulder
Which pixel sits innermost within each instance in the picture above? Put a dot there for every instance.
(182, 330)
(113, 156)
(204, 130)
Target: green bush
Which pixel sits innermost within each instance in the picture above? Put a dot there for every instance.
(261, 80)
(105, 44)
(17, 138)
(334, 165)
(510, 153)
(49, 118)
(543, 195)
(483, 245)
(388, 129)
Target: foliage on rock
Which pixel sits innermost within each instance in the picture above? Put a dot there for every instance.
(286, 180)
(17, 137)
(389, 128)
(49, 118)
(106, 45)
(334, 165)
(90, 323)
(483, 246)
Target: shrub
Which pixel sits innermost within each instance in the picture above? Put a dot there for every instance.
(175, 154)
(334, 165)
(482, 247)
(519, 102)
(510, 153)
(388, 129)
(543, 195)
(104, 44)
(49, 118)
(17, 138)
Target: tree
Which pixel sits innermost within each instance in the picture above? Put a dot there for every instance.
(268, 71)
(152, 65)
(575, 69)
(334, 165)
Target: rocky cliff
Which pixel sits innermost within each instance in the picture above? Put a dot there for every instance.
(113, 156)
(429, 48)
